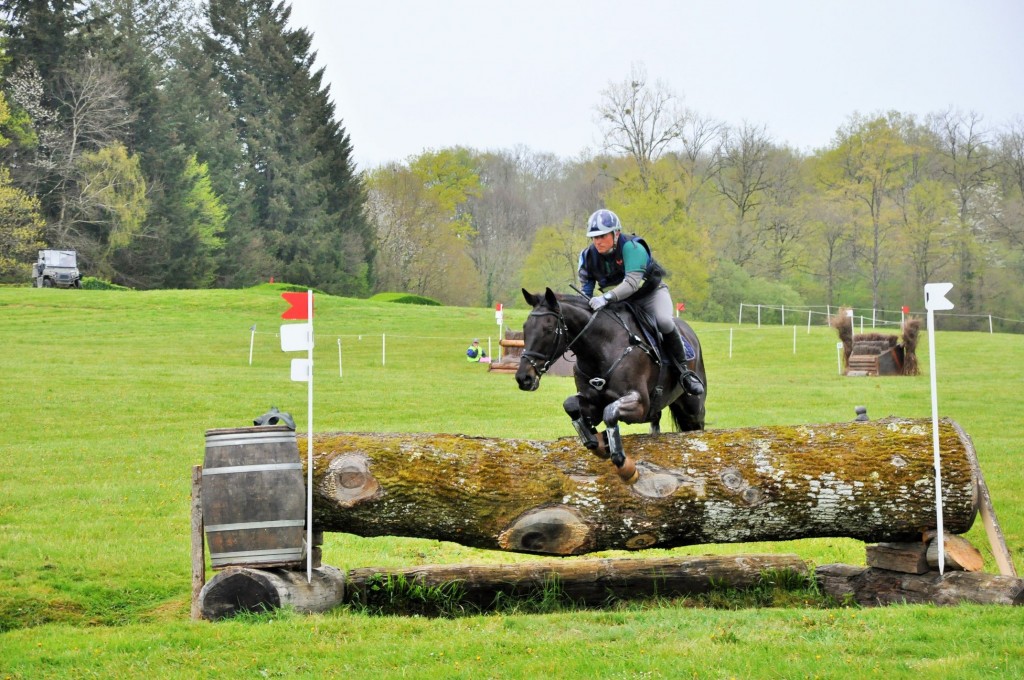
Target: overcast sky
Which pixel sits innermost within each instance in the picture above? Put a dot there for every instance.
(408, 76)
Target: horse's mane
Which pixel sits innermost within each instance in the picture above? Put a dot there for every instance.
(574, 300)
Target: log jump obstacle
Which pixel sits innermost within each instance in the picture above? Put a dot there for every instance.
(871, 481)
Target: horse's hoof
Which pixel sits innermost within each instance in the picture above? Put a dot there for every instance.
(628, 472)
(601, 451)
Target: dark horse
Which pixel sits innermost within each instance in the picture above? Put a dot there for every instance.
(620, 374)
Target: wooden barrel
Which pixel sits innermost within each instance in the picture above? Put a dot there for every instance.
(253, 497)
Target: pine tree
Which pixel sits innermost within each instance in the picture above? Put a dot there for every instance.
(306, 224)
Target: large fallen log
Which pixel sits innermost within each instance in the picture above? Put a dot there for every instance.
(872, 481)
(869, 587)
(586, 582)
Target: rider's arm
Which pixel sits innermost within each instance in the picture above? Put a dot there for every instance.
(634, 260)
(586, 282)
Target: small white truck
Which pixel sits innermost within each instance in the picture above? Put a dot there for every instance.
(56, 269)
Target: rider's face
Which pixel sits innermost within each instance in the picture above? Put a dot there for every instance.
(605, 242)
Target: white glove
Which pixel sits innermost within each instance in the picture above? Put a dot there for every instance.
(598, 302)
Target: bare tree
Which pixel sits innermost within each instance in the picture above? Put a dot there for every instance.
(638, 119)
(969, 165)
(742, 178)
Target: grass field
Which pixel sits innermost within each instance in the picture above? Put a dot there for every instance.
(107, 396)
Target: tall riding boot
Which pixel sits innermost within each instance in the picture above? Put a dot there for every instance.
(673, 344)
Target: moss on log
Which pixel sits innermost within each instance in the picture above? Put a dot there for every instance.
(872, 481)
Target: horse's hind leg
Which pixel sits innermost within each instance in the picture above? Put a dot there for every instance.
(656, 423)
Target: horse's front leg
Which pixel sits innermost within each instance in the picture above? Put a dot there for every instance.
(630, 408)
(583, 417)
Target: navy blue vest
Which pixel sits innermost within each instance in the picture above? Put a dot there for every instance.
(609, 271)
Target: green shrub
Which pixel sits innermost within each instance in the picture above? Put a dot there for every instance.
(92, 283)
(405, 299)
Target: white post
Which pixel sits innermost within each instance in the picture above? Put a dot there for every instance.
(935, 298)
(783, 315)
(839, 357)
(730, 343)
(252, 340)
(873, 312)
(340, 372)
(809, 322)
(759, 316)
(741, 314)
(990, 324)
(794, 338)
(309, 445)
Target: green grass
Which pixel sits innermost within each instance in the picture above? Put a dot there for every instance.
(108, 394)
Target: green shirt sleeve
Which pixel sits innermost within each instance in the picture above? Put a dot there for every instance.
(634, 257)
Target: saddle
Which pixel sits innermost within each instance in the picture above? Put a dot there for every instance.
(651, 335)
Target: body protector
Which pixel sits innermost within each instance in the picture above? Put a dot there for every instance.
(608, 271)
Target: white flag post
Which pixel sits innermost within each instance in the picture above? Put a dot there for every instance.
(309, 445)
(296, 337)
(935, 298)
(252, 340)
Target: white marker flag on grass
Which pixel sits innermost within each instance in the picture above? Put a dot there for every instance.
(296, 337)
(935, 299)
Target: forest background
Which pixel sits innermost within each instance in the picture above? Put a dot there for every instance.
(185, 144)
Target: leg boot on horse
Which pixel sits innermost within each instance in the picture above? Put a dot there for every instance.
(674, 347)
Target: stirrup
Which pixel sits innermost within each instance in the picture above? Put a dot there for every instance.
(691, 384)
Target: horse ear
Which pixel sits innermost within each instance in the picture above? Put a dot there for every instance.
(531, 299)
(550, 299)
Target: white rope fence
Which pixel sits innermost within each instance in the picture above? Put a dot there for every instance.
(866, 318)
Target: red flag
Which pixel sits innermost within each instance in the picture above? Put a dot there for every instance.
(299, 306)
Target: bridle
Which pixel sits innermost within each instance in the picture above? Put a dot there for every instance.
(561, 336)
(561, 333)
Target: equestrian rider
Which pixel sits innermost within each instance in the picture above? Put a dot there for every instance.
(622, 267)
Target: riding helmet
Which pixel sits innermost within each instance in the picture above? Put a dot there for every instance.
(602, 222)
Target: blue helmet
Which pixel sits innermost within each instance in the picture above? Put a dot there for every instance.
(602, 222)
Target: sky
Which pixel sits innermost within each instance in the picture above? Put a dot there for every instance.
(407, 77)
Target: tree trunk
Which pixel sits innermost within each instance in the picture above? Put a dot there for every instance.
(868, 586)
(583, 582)
(872, 481)
(589, 582)
(242, 589)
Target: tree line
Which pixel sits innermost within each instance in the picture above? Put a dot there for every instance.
(185, 144)
(891, 203)
(175, 144)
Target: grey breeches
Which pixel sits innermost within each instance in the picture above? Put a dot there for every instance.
(659, 305)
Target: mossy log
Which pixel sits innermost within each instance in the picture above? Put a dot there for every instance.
(872, 481)
(587, 582)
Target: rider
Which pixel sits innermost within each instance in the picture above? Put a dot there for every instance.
(623, 267)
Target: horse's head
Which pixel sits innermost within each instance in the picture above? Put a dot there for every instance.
(544, 338)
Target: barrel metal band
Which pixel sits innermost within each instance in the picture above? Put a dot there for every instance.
(272, 524)
(234, 440)
(251, 468)
(270, 554)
